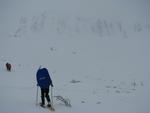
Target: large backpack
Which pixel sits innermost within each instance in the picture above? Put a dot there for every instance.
(43, 78)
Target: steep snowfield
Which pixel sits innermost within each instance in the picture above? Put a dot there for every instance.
(97, 52)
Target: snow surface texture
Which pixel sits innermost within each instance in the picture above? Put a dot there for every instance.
(96, 50)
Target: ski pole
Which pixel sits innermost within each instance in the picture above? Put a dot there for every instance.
(37, 95)
(52, 96)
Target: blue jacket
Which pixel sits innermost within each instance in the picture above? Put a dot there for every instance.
(43, 78)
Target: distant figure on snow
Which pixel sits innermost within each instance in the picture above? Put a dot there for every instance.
(44, 81)
(8, 66)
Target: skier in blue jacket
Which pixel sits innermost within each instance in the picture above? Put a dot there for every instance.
(44, 81)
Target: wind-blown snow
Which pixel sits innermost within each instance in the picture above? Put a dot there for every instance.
(97, 52)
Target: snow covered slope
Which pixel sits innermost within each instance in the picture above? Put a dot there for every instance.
(96, 50)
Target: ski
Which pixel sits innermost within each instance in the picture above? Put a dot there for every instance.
(50, 108)
(46, 107)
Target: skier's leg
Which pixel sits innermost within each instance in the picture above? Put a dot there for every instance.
(42, 97)
(47, 97)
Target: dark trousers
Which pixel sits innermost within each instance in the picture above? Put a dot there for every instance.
(45, 93)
